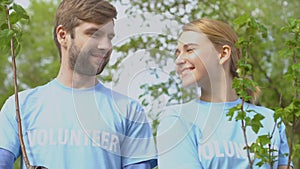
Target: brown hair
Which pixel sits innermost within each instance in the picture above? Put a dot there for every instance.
(70, 13)
(220, 34)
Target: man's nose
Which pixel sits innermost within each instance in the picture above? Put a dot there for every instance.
(104, 44)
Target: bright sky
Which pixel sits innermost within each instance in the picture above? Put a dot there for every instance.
(24, 3)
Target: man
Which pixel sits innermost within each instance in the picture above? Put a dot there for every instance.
(74, 121)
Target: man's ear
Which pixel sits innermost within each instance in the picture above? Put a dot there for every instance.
(225, 54)
(61, 35)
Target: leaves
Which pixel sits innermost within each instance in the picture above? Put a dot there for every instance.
(16, 14)
(232, 111)
(6, 2)
(263, 150)
(255, 123)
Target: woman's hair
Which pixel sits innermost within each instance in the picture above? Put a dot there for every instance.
(70, 13)
(220, 34)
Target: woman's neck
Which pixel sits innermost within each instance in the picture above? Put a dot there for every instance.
(225, 96)
(220, 91)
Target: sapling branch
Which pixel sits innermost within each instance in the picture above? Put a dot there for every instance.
(12, 51)
(296, 96)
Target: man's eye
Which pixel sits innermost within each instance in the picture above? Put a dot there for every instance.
(111, 37)
(95, 35)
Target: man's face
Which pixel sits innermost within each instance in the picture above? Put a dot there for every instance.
(91, 47)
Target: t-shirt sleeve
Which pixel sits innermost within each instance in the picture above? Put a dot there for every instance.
(7, 159)
(138, 144)
(9, 139)
(284, 146)
(176, 145)
(142, 165)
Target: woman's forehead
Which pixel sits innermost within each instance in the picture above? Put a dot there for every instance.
(192, 37)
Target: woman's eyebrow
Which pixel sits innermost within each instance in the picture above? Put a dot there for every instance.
(189, 45)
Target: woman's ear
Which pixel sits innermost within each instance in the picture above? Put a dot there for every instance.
(225, 54)
(61, 35)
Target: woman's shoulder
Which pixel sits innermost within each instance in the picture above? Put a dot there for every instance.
(258, 109)
(183, 114)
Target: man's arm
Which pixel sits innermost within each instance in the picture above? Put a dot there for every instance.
(141, 165)
(7, 159)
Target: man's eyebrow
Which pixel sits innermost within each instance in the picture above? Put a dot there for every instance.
(91, 30)
(94, 30)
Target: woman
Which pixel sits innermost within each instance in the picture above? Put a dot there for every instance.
(198, 134)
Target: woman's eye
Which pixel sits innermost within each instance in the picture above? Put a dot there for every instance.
(177, 52)
(190, 50)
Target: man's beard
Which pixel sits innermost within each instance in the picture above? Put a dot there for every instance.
(80, 63)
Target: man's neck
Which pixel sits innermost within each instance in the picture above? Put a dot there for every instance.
(75, 80)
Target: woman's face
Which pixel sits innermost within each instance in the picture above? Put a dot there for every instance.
(197, 62)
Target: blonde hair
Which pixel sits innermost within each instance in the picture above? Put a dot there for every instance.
(220, 34)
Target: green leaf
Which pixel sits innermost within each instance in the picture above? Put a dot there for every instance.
(242, 20)
(256, 126)
(20, 11)
(296, 67)
(241, 115)
(263, 140)
(17, 46)
(6, 2)
(6, 34)
(231, 112)
(14, 17)
(258, 117)
(286, 52)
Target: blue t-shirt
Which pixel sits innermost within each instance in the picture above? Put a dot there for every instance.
(78, 128)
(198, 135)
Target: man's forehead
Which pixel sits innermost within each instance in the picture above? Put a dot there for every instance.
(107, 27)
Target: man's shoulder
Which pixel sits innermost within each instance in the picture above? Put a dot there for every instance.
(125, 105)
(33, 91)
(116, 96)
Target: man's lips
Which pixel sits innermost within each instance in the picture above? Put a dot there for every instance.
(100, 54)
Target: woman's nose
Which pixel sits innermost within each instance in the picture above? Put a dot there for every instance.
(180, 59)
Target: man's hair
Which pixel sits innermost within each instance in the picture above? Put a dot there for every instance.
(70, 13)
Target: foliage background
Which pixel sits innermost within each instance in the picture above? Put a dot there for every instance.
(38, 61)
